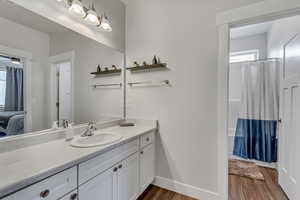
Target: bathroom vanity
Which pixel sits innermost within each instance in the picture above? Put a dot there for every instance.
(56, 170)
(37, 159)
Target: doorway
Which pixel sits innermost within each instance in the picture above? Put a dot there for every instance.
(62, 87)
(63, 91)
(253, 112)
(283, 31)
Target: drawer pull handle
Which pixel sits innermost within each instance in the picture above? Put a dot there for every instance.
(73, 196)
(147, 139)
(120, 166)
(115, 169)
(44, 193)
(142, 152)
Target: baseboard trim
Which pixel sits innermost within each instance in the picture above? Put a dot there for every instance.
(259, 163)
(185, 189)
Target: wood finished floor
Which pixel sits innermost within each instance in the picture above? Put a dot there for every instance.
(241, 188)
(157, 193)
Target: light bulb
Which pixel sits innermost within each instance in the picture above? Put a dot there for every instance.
(77, 8)
(105, 25)
(92, 17)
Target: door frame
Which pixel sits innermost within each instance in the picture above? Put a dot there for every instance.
(26, 58)
(54, 60)
(254, 13)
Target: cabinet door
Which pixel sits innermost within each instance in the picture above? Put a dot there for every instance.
(71, 196)
(101, 187)
(147, 164)
(128, 178)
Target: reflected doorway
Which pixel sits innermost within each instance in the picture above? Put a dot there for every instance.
(61, 88)
(63, 91)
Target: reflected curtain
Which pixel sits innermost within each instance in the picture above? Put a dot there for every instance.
(255, 136)
(14, 89)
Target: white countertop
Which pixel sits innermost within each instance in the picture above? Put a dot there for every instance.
(31, 164)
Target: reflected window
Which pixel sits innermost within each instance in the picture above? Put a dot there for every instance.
(2, 88)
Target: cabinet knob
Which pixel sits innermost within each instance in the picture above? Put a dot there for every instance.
(115, 169)
(120, 166)
(142, 152)
(73, 196)
(147, 139)
(44, 193)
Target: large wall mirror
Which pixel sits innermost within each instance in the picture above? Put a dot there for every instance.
(45, 75)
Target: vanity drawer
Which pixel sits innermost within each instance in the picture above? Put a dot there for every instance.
(51, 188)
(97, 165)
(147, 139)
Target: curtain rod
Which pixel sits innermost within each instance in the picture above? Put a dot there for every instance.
(258, 60)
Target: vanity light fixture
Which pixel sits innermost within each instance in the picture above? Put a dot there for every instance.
(105, 24)
(92, 17)
(77, 9)
(89, 15)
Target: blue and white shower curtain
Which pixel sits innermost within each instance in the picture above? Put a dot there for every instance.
(255, 136)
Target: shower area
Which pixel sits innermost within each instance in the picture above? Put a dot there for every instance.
(255, 111)
(254, 96)
(264, 110)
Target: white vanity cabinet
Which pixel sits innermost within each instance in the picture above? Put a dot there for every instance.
(147, 160)
(102, 186)
(146, 167)
(71, 196)
(52, 188)
(120, 173)
(128, 178)
(131, 171)
(120, 182)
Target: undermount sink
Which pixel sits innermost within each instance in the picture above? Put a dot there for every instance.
(98, 139)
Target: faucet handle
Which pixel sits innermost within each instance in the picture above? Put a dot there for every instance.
(66, 123)
(92, 125)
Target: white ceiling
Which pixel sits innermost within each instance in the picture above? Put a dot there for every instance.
(250, 30)
(27, 18)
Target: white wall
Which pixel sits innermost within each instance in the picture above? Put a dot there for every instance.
(281, 32)
(91, 104)
(26, 39)
(183, 34)
(115, 10)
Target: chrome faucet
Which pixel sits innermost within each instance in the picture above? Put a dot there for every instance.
(66, 123)
(90, 130)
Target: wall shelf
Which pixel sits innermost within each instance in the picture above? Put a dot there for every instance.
(148, 67)
(108, 72)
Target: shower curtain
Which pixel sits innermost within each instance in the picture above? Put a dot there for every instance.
(255, 136)
(14, 89)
